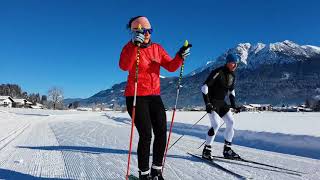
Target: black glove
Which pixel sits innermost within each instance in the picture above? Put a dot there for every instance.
(184, 51)
(209, 108)
(237, 110)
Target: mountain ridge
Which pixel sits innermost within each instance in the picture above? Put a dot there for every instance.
(277, 73)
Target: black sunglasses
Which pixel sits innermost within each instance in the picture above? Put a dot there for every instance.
(144, 30)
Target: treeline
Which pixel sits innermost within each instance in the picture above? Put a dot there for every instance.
(15, 91)
(313, 103)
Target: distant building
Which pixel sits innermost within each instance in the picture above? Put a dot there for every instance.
(21, 103)
(262, 107)
(96, 109)
(84, 109)
(257, 107)
(37, 106)
(301, 108)
(248, 108)
(196, 109)
(107, 109)
(6, 101)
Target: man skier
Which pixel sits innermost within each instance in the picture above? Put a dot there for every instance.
(219, 83)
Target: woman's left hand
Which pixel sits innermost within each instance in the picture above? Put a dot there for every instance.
(184, 51)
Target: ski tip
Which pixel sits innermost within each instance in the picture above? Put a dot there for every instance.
(186, 43)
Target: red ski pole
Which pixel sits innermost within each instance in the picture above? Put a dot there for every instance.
(186, 44)
(134, 107)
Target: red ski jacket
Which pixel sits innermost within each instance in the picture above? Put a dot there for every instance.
(151, 58)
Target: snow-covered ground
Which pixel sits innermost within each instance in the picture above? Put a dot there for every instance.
(93, 145)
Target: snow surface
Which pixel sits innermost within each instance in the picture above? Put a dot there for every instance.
(93, 145)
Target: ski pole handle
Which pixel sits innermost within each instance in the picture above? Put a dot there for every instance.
(186, 43)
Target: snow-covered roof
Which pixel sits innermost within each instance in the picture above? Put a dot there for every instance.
(4, 97)
(84, 109)
(248, 106)
(255, 105)
(36, 107)
(22, 101)
(38, 104)
(265, 105)
(259, 105)
(28, 102)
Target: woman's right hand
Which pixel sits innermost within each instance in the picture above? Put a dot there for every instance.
(138, 37)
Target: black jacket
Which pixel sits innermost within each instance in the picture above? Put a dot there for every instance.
(220, 82)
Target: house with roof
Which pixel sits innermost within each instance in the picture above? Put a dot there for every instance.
(248, 108)
(6, 101)
(257, 107)
(21, 103)
(262, 107)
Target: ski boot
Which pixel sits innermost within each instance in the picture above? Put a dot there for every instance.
(156, 173)
(206, 153)
(144, 175)
(228, 153)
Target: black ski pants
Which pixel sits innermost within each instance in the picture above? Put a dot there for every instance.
(150, 115)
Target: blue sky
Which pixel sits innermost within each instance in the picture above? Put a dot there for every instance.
(75, 44)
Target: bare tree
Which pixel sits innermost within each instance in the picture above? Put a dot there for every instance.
(55, 95)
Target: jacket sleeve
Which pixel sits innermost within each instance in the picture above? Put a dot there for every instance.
(128, 56)
(232, 95)
(167, 62)
(209, 82)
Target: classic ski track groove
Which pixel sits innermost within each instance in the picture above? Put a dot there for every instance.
(13, 135)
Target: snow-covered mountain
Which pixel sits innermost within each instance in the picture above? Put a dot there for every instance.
(278, 73)
(255, 55)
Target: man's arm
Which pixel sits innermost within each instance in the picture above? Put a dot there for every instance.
(232, 97)
(205, 89)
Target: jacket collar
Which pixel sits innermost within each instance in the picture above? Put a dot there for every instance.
(145, 45)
